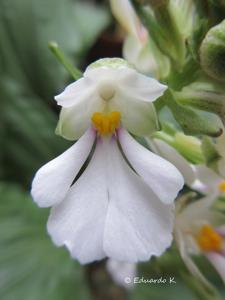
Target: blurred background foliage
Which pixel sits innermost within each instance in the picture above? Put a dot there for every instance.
(31, 267)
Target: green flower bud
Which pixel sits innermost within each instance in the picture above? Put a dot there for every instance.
(188, 146)
(193, 121)
(204, 95)
(212, 52)
(210, 153)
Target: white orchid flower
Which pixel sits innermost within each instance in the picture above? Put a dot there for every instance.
(121, 206)
(209, 182)
(109, 85)
(122, 273)
(197, 233)
(138, 47)
(198, 177)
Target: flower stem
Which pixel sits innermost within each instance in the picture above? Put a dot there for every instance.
(101, 285)
(74, 72)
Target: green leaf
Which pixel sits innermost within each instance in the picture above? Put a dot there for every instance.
(203, 292)
(162, 291)
(31, 267)
(204, 94)
(27, 26)
(29, 138)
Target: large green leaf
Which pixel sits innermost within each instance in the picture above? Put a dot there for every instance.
(31, 267)
(29, 139)
(27, 26)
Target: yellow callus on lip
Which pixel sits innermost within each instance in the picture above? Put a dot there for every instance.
(222, 186)
(106, 123)
(209, 240)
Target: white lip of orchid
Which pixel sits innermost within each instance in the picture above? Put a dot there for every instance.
(77, 213)
(106, 89)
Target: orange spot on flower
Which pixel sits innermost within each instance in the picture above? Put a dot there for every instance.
(106, 123)
(222, 186)
(209, 240)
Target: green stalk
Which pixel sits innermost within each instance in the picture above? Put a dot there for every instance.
(73, 71)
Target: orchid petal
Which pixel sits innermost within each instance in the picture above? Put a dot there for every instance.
(127, 82)
(125, 14)
(221, 167)
(75, 120)
(187, 259)
(199, 213)
(137, 224)
(169, 153)
(52, 182)
(76, 92)
(145, 56)
(140, 55)
(114, 86)
(78, 222)
(160, 175)
(120, 271)
(139, 118)
(119, 74)
(221, 230)
(218, 261)
(208, 178)
(143, 88)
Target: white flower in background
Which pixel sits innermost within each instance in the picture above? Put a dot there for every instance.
(197, 177)
(122, 273)
(138, 47)
(109, 85)
(196, 225)
(197, 233)
(171, 154)
(121, 206)
(209, 182)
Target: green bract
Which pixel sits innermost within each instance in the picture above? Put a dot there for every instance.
(212, 52)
